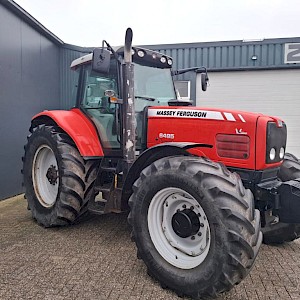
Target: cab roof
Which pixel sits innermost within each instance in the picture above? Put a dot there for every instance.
(120, 50)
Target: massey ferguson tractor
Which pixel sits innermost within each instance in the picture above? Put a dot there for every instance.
(200, 183)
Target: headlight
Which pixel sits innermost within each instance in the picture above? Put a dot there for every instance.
(141, 53)
(163, 59)
(272, 153)
(281, 153)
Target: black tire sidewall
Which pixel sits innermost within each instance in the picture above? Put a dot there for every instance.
(210, 268)
(290, 168)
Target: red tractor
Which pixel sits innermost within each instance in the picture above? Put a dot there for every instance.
(199, 182)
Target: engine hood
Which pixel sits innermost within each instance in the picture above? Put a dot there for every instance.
(207, 125)
(206, 113)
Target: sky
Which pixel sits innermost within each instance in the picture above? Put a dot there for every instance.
(87, 22)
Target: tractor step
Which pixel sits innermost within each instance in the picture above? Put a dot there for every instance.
(98, 205)
(108, 198)
(109, 169)
(103, 189)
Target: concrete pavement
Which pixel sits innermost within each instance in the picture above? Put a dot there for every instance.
(95, 259)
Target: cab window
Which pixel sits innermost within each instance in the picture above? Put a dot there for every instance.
(95, 101)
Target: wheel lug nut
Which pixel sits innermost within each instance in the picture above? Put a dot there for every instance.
(199, 233)
(199, 215)
(193, 237)
(192, 207)
(178, 210)
(201, 225)
(184, 206)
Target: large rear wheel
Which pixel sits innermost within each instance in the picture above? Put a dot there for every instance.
(279, 233)
(58, 182)
(194, 225)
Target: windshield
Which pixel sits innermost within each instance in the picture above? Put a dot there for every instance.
(152, 86)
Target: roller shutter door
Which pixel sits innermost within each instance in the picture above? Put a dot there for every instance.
(274, 92)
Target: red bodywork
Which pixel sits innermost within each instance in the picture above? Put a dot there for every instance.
(78, 126)
(180, 124)
(203, 125)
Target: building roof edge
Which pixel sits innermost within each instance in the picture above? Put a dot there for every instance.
(29, 19)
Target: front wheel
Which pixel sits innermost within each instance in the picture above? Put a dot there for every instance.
(194, 225)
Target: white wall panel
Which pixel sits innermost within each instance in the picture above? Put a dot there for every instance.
(272, 92)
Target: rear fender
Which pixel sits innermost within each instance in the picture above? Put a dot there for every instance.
(78, 127)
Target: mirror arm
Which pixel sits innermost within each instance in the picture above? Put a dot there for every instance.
(201, 70)
(196, 69)
(110, 48)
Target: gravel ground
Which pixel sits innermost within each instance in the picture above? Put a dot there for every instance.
(95, 259)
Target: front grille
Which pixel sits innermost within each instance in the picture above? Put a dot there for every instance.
(276, 138)
(233, 146)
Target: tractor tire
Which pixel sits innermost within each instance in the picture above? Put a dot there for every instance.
(290, 168)
(284, 232)
(194, 225)
(58, 182)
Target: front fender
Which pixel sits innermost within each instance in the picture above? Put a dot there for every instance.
(152, 154)
(78, 127)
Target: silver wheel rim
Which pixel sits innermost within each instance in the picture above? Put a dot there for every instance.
(181, 252)
(45, 176)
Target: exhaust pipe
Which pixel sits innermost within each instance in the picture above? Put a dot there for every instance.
(129, 122)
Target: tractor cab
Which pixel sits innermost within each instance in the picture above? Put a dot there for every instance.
(100, 92)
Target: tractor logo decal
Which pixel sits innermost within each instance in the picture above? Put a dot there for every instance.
(195, 114)
(186, 113)
(241, 117)
(229, 117)
(166, 136)
(240, 131)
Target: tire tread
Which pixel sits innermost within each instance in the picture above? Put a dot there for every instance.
(75, 177)
(240, 221)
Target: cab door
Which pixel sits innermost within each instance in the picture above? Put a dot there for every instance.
(94, 101)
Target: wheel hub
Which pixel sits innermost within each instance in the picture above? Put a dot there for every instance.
(185, 223)
(52, 175)
(179, 228)
(45, 165)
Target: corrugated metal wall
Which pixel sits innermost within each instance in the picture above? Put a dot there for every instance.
(216, 56)
(29, 83)
(69, 77)
(226, 56)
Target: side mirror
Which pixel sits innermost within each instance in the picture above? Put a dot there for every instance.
(204, 81)
(101, 60)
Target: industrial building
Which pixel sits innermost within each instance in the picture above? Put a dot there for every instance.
(259, 76)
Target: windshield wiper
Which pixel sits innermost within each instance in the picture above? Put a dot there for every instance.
(145, 98)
